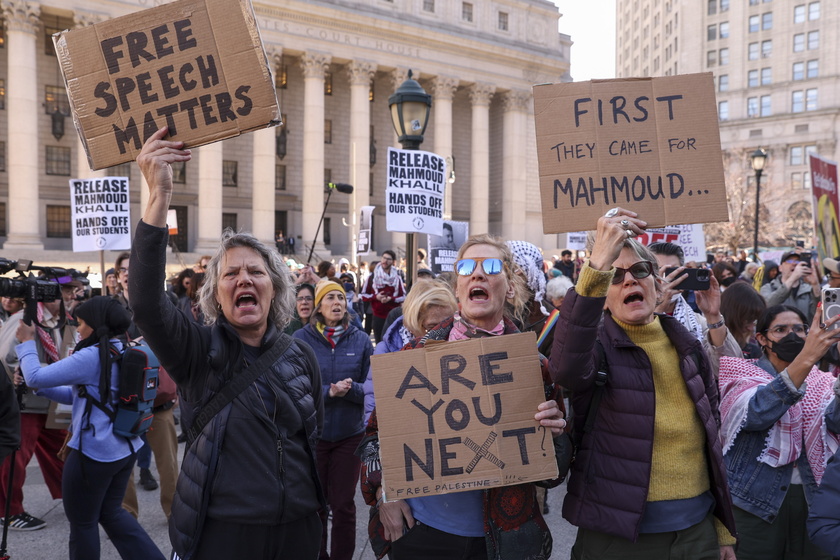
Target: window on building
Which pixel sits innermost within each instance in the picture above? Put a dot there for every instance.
(327, 231)
(752, 106)
(766, 76)
(813, 68)
(799, 13)
(723, 56)
(281, 75)
(753, 2)
(766, 108)
(724, 30)
(814, 10)
(752, 78)
(752, 51)
(370, 184)
(58, 221)
(797, 101)
(429, 6)
(754, 23)
(58, 161)
(121, 170)
(656, 64)
(327, 178)
(55, 97)
(711, 59)
(799, 42)
(2, 94)
(767, 21)
(723, 82)
(806, 180)
(279, 177)
(797, 156)
(327, 131)
(467, 11)
(3, 155)
(179, 172)
(229, 220)
(798, 71)
(796, 180)
(2, 219)
(503, 21)
(723, 110)
(49, 29)
(711, 32)
(711, 7)
(230, 173)
(811, 99)
(813, 40)
(724, 6)
(328, 83)
(766, 48)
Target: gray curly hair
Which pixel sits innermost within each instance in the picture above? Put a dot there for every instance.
(283, 305)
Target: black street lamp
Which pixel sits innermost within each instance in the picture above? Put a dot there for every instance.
(410, 107)
(758, 160)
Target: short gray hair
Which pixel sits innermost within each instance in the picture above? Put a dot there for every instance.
(283, 305)
(557, 287)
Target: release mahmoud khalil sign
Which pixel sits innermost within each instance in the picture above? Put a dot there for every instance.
(414, 195)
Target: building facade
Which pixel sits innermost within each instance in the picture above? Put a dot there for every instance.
(336, 62)
(775, 65)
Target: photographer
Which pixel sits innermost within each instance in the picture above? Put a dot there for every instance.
(797, 285)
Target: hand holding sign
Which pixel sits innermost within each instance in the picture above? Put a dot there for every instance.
(613, 229)
(154, 161)
(551, 417)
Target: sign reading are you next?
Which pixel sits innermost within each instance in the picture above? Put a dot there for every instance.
(414, 195)
(100, 214)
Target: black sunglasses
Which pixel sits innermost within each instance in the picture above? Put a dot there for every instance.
(639, 270)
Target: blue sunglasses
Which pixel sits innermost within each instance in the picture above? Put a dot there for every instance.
(465, 267)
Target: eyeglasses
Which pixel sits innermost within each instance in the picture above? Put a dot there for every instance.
(783, 330)
(492, 265)
(301, 299)
(123, 269)
(792, 261)
(639, 270)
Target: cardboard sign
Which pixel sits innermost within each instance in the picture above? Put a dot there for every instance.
(443, 249)
(824, 189)
(414, 194)
(690, 237)
(458, 416)
(196, 66)
(650, 145)
(100, 214)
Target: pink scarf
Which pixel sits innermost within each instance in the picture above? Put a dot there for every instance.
(461, 330)
(803, 423)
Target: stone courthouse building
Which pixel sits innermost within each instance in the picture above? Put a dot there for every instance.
(336, 62)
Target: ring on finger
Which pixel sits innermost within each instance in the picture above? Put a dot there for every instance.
(629, 232)
(625, 223)
(611, 212)
(823, 326)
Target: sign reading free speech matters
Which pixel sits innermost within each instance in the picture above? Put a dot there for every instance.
(196, 66)
(100, 214)
(650, 145)
(414, 195)
(458, 416)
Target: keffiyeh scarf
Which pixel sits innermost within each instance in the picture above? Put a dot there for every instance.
(382, 278)
(529, 259)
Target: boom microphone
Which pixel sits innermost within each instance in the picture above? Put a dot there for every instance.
(341, 187)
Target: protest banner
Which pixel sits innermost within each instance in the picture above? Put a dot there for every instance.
(650, 145)
(365, 230)
(457, 416)
(100, 214)
(196, 66)
(443, 249)
(576, 241)
(414, 195)
(690, 237)
(824, 189)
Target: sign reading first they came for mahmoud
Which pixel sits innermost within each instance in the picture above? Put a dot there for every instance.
(457, 416)
(650, 145)
(100, 214)
(196, 66)
(414, 195)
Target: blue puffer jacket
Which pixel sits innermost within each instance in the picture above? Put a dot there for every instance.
(343, 416)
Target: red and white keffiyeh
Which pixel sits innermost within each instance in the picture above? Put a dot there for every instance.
(803, 423)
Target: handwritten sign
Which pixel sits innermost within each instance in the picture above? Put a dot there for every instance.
(100, 214)
(690, 237)
(458, 416)
(414, 195)
(651, 145)
(196, 66)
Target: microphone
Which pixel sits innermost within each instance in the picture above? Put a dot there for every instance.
(341, 187)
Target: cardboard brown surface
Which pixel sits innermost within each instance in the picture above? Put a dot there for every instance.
(651, 145)
(450, 450)
(197, 66)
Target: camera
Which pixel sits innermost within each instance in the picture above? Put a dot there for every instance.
(831, 305)
(696, 278)
(33, 289)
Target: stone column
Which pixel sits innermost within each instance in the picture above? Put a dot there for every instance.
(209, 197)
(443, 89)
(314, 66)
(263, 194)
(360, 73)
(514, 170)
(480, 96)
(83, 18)
(22, 108)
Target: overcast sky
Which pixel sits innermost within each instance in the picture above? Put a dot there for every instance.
(591, 24)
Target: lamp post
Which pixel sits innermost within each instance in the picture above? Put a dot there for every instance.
(758, 159)
(410, 107)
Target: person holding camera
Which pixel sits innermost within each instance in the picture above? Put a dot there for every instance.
(797, 284)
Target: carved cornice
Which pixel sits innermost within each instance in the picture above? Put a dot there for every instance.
(21, 15)
(315, 65)
(398, 76)
(361, 72)
(516, 100)
(84, 18)
(444, 87)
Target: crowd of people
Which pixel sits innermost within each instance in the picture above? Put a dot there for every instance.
(705, 422)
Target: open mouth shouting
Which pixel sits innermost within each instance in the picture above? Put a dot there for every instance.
(246, 300)
(478, 294)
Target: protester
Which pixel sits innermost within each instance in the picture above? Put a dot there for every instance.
(503, 522)
(230, 501)
(748, 275)
(326, 271)
(557, 288)
(824, 512)
(566, 265)
(776, 435)
(100, 462)
(797, 285)
(833, 268)
(742, 306)
(648, 480)
(201, 264)
(9, 418)
(110, 285)
(384, 290)
(8, 307)
(304, 298)
(343, 353)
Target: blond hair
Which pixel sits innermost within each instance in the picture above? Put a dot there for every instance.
(422, 296)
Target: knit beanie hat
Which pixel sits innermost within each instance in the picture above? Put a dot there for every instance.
(323, 288)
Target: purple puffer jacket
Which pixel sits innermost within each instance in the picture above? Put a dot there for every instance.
(610, 476)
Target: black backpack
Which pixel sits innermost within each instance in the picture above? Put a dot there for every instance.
(132, 414)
